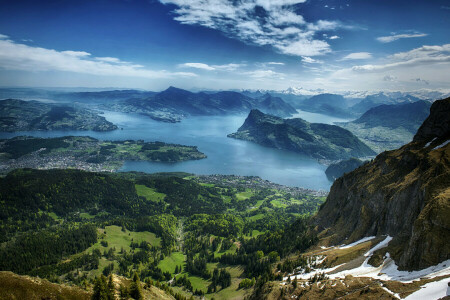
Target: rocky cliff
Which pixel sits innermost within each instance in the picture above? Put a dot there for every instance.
(404, 193)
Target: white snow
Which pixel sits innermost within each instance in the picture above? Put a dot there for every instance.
(429, 143)
(390, 292)
(442, 145)
(357, 242)
(388, 270)
(380, 245)
(432, 290)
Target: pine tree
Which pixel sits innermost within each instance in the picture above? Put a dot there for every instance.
(135, 288)
(110, 288)
(100, 289)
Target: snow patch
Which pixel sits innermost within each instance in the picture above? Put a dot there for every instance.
(442, 145)
(432, 290)
(429, 143)
(380, 245)
(390, 292)
(357, 242)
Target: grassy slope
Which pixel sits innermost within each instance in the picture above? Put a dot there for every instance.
(149, 193)
(13, 286)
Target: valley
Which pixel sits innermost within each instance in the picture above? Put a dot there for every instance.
(77, 212)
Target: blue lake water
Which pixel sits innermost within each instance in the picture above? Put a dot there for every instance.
(225, 155)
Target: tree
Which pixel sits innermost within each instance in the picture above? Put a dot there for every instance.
(103, 290)
(135, 288)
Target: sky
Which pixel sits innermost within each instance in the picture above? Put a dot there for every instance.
(331, 45)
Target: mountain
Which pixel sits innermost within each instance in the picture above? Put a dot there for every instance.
(403, 193)
(19, 115)
(371, 101)
(387, 127)
(174, 104)
(102, 96)
(316, 140)
(275, 106)
(328, 104)
(409, 116)
(338, 169)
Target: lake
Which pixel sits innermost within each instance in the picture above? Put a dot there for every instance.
(225, 155)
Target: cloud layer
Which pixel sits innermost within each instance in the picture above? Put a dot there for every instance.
(17, 56)
(258, 22)
(394, 37)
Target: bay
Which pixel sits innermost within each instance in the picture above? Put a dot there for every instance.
(224, 155)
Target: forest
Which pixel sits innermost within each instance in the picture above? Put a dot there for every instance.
(190, 237)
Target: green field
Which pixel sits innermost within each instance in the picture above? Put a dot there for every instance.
(149, 193)
(244, 195)
(119, 239)
(169, 263)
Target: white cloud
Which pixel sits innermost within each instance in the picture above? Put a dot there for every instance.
(416, 57)
(389, 78)
(203, 66)
(309, 60)
(275, 63)
(259, 74)
(357, 55)
(305, 47)
(3, 37)
(76, 53)
(334, 37)
(258, 22)
(110, 60)
(17, 56)
(197, 66)
(394, 37)
(427, 65)
(228, 67)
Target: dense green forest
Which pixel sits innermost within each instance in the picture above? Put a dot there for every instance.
(181, 232)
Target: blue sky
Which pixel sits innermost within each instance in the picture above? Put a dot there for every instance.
(220, 44)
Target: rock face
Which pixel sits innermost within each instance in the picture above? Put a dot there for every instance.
(437, 124)
(404, 193)
(320, 141)
(338, 169)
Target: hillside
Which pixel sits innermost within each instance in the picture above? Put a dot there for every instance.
(19, 115)
(173, 104)
(316, 140)
(402, 193)
(387, 127)
(187, 235)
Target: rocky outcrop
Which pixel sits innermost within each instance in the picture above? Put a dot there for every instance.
(438, 122)
(404, 193)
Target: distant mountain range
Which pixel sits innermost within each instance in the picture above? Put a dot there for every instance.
(174, 104)
(319, 141)
(387, 127)
(403, 193)
(19, 115)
